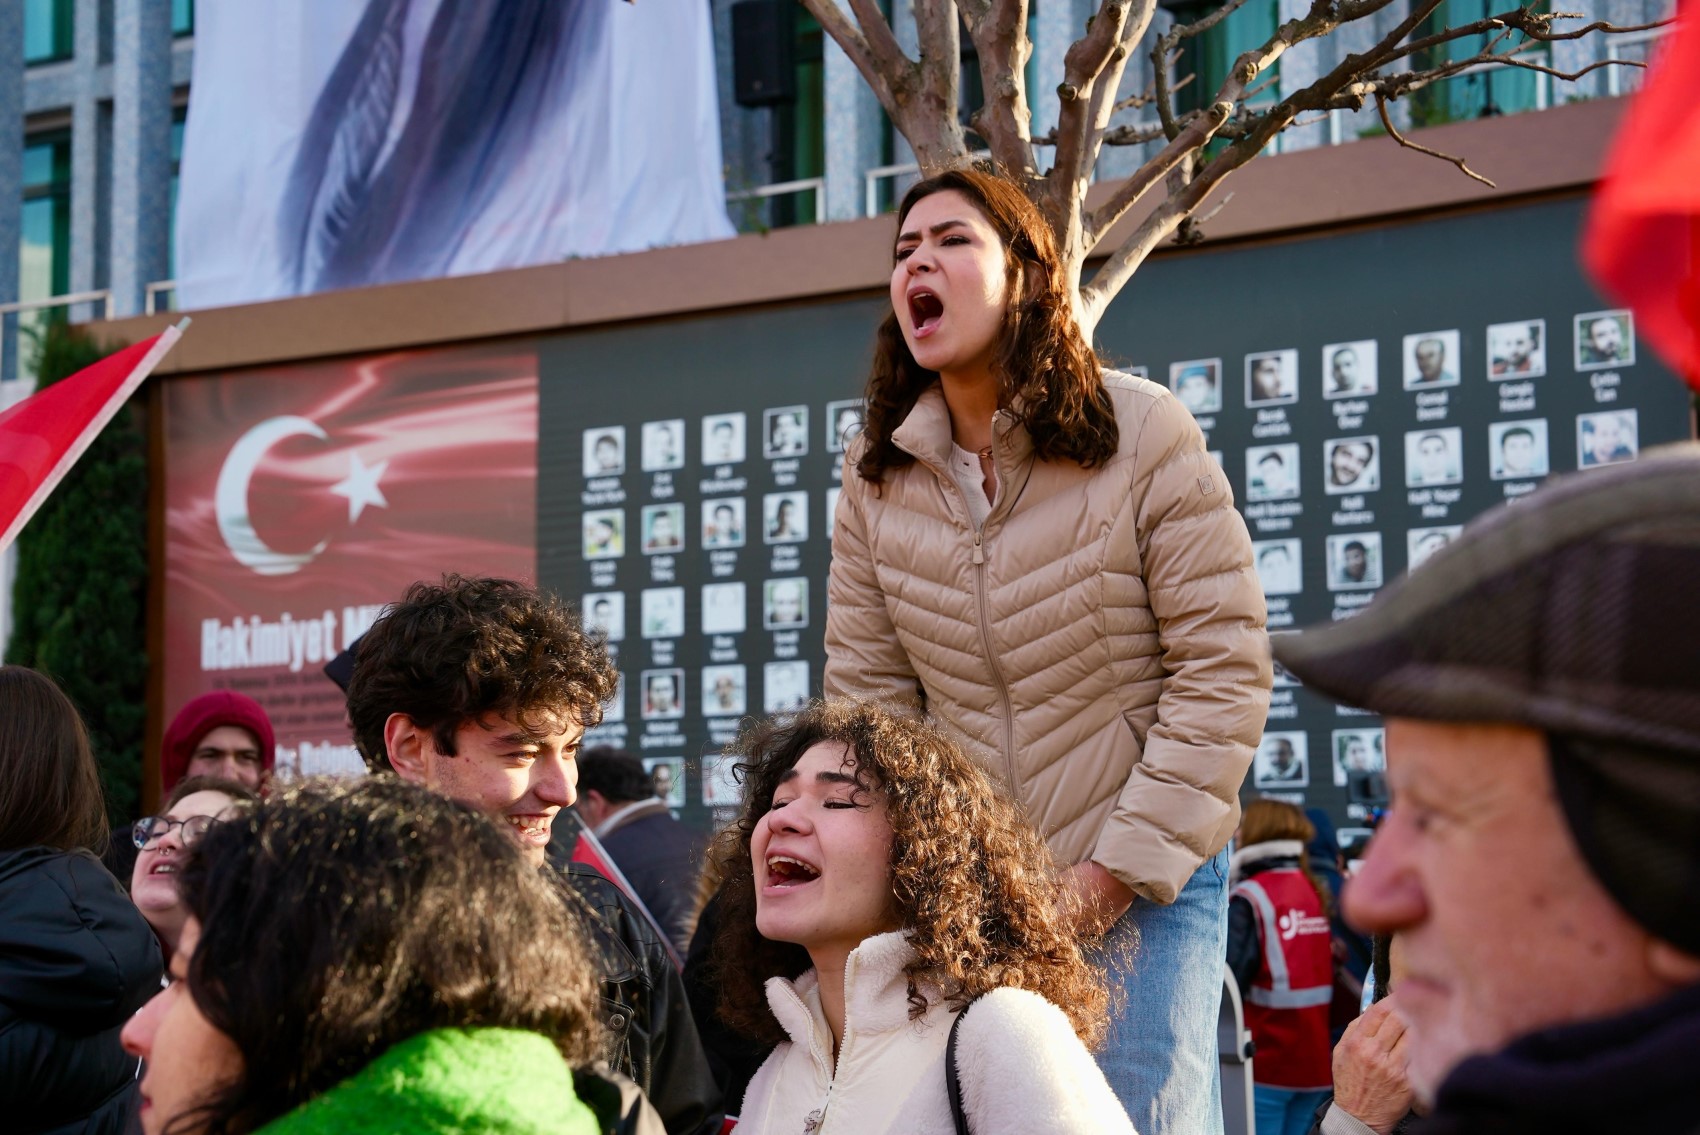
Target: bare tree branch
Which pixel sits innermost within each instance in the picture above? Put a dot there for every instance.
(1182, 202)
(1130, 135)
(1393, 133)
(1202, 147)
(999, 31)
(1086, 59)
(1216, 16)
(1109, 81)
(1194, 137)
(942, 143)
(1148, 96)
(874, 71)
(873, 48)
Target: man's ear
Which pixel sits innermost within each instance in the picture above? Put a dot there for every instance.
(406, 743)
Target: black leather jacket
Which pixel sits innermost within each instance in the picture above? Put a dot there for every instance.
(654, 1038)
(76, 960)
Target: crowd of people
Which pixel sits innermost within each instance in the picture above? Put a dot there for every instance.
(987, 884)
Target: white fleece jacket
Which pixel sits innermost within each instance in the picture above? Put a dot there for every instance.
(1022, 1068)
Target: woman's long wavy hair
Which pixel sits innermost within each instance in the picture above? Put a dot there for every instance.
(974, 886)
(339, 918)
(1049, 376)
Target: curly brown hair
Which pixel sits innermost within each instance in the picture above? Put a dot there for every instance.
(1265, 820)
(1049, 376)
(973, 884)
(341, 917)
(452, 652)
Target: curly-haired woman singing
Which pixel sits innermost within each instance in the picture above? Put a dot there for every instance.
(1045, 557)
(879, 886)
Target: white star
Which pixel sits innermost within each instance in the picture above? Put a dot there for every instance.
(361, 486)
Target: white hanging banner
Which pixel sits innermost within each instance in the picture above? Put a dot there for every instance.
(337, 144)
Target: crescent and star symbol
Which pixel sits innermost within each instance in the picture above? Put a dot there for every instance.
(230, 498)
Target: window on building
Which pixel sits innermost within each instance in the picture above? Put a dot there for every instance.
(182, 17)
(44, 247)
(1476, 94)
(48, 30)
(179, 116)
(800, 127)
(1208, 58)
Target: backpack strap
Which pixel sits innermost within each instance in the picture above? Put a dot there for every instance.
(953, 1083)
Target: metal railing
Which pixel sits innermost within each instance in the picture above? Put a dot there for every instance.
(872, 178)
(151, 293)
(785, 189)
(103, 296)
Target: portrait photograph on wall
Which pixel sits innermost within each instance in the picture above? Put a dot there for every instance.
(1349, 369)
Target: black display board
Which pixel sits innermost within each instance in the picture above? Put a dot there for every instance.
(1367, 393)
(726, 433)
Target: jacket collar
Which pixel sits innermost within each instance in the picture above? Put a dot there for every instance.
(876, 994)
(635, 810)
(1254, 853)
(925, 435)
(1633, 1072)
(452, 1080)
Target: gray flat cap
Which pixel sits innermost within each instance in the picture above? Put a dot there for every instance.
(1575, 612)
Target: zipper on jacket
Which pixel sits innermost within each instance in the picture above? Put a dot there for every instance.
(816, 1119)
(1008, 747)
(948, 483)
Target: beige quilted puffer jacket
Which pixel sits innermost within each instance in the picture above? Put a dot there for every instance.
(1099, 646)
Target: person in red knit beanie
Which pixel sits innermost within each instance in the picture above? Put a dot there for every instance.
(223, 734)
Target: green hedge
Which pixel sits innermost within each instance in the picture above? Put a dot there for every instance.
(79, 605)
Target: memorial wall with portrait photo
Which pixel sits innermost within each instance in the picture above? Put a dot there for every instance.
(1368, 391)
(1374, 422)
(724, 526)
(690, 468)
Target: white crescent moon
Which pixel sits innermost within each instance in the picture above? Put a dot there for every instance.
(230, 500)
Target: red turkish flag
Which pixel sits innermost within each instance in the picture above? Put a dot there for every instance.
(42, 436)
(301, 499)
(1643, 239)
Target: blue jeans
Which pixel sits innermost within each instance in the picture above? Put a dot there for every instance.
(1285, 1111)
(1160, 1052)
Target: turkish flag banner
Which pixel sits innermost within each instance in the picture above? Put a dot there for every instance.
(42, 436)
(1643, 238)
(302, 500)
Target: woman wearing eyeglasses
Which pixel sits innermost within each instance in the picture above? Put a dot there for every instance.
(76, 959)
(193, 806)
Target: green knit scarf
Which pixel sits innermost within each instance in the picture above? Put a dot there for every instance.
(497, 1081)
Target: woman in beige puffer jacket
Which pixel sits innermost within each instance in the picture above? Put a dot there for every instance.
(1046, 560)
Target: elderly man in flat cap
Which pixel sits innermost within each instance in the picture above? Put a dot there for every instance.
(1540, 680)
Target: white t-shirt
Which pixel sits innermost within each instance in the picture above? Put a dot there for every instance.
(965, 471)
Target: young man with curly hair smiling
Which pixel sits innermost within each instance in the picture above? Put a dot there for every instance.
(482, 689)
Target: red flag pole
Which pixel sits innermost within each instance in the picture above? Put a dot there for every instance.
(42, 437)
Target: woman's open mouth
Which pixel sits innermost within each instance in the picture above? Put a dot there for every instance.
(785, 872)
(925, 311)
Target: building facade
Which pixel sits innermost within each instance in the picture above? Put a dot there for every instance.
(99, 91)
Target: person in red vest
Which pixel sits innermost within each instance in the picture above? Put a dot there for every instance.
(1280, 949)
